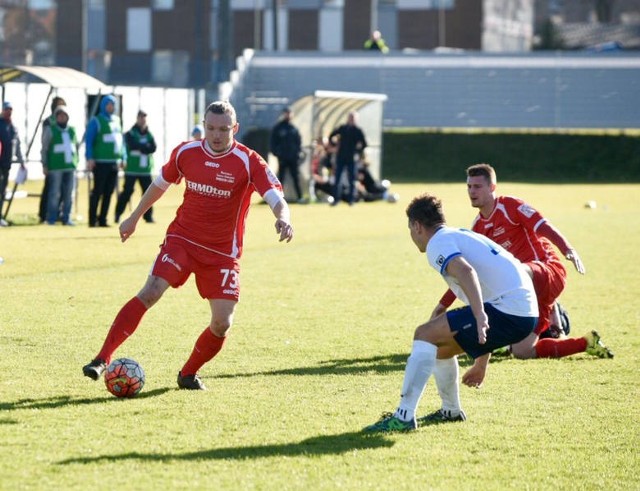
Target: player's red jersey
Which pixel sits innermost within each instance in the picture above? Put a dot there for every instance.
(513, 225)
(217, 194)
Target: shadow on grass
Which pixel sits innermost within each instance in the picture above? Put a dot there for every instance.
(61, 401)
(350, 366)
(354, 366)
(319, 445)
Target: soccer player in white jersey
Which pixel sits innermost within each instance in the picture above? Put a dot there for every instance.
(526, 234)
(205, 238)
(501, 310)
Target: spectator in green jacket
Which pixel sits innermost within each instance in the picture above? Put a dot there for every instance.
(105, 153)
(59, 161)
(139, 167)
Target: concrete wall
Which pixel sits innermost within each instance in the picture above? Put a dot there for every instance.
(462, 90)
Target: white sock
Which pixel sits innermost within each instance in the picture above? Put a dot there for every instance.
(446, 375)
(416, 374)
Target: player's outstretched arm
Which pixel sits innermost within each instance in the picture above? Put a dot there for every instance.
(467, 278)
(572, 255)
(557, 239)
(475, 375)
(280, 210)
(151, 195)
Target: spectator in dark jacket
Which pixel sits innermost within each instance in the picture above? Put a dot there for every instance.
(351, 141)
(285, 144)
(9, 146)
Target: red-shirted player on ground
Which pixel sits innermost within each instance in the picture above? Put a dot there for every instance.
(205, 238)
(525, 233)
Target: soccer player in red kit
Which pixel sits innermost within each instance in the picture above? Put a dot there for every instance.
(205, 238)
(525, 233)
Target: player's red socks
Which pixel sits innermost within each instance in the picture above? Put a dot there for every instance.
(558, 348)
(124, 325)
(207, 346)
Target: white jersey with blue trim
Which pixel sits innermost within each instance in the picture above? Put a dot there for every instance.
(504, 282)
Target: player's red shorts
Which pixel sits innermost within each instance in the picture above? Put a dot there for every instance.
(549, 279)
(217, 276)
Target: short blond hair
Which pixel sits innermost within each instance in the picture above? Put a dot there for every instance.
(484, 170)
(222, 107)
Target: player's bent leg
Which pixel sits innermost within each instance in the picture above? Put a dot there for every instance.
(209, 344)
(222, 311)
(525, 349)
(448, 351)
(152, 290)
(595, 346)
(438, 332)
(124, 325)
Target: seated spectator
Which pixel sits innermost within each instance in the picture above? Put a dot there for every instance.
(322, 170)
(323, 178)
(369, 190)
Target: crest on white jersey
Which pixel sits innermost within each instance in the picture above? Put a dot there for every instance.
(440, 260)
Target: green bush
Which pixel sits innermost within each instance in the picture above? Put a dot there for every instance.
(443, 157)
(433, 156)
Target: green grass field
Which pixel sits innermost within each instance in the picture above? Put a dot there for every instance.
(317, 351)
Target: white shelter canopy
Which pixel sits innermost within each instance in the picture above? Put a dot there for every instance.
(318, 114)
(56, 76)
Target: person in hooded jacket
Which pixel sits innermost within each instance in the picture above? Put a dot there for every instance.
(105, 152)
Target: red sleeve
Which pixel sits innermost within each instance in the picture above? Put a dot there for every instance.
(524, 214)
(170, 171)
(553, 234)
(447, 299)
(262, 177)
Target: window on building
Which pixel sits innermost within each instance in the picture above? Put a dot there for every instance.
(247, 4)
(161, 69)
(41, 4)
(139, 29)
(304, 4)
(426, 4)
(170, 68)
(96, 25)
(163, 4)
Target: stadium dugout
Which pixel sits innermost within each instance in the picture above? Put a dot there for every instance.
(316, 115)
(56, 78)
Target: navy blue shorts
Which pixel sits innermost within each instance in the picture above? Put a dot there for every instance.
(504, 329)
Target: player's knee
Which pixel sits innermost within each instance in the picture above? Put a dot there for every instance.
(150, 294)
(523, 352)
(149, 298)
(220, 327)
(426, 332)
